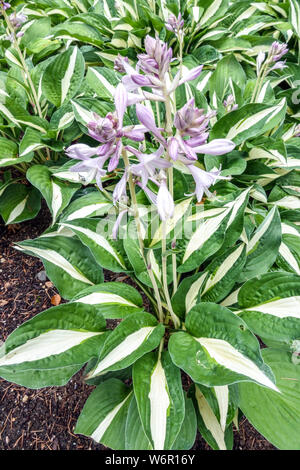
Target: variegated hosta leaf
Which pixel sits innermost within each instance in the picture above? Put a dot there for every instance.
(160, 399)
(218, 348)
(63, 77)
(135, 336)
(219, 227)
(104, 414)
(20, 117)
(107, 252)
(210, 425)
(68, 263)
(103, 81)
(79, 32)
(270, 305)
(113, 299)
(91, 205)
(251, 120)
(236, 220)
(51, 347)
(32, 141)
(263, 247)
(188, 293)
(188, 431)
(56, 193)
(9, 153)
(295, 16)
(207, 238)
(136, 259)
(289, 250)
(7, 181)
(18, 203)
(135, 437)
(275, 415)
(223, 272)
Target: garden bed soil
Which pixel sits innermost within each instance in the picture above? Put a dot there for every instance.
(44, 419)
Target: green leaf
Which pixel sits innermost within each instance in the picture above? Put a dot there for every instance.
(93, 204)
(187, 434)
(135, 437)
(18, 203)
(208, 418)
(106, 251)
(218, 348)
(135, 336)
(270, 305)
(228, 69)
(68, 263)
(103, 81)
(275, 415)
(51, 347)
(158, 391)
(57, 193)
(263, 247)
(251, 120)
(223, 272)
(205, 240)
(113, 299)
(104, 415)
(63, 77)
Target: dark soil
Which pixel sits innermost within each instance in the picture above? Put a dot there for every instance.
(44, 419)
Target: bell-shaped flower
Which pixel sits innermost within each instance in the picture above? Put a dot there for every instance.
(216, 147)
(203, 180)
(145, 116)
(120, 193)
(157, 59)
(110, 129)
(165, 203)
(149, 164)
(175, 24)
(277, 51)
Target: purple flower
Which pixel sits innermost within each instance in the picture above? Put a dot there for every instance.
(191, 121)
(259, 61)
(91, 167)
(277, 51)
(121, 63)
(165, 203)
(279, 65)
(173, 148)
(203, 180)
(109, 130)
(117, 224)
(81, 151)
(157, 59)
(17, 19)
(175, 24)
(191, 74)
(147, 119)
(230, 104)
(5, 5)
(149, 164)
(119, 193)
(216, 147)
(297, 131)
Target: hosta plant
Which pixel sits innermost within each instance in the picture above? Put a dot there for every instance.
(202, 213)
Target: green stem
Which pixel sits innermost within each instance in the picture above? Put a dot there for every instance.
(27, 75)
(174, 317)
(140, 236)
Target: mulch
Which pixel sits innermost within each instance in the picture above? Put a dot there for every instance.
(44, 419)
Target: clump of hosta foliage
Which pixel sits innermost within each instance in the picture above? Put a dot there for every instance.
(192, 190)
